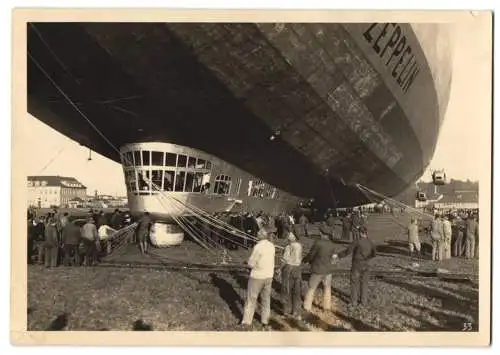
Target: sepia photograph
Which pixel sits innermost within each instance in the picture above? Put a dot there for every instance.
(256, 171)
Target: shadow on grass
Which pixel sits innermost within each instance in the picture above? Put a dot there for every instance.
(391, 250)
(242, 281)
(356, 324)
(139, 325)
(228, 294)
(59, 323)
(321, 324)
(343, 296)
(461, 303)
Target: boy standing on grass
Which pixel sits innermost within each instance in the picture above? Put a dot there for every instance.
(291, 277)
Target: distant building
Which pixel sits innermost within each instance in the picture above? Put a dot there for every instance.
(49, 191)
(460, 200)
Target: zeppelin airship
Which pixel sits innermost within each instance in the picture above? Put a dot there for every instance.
(248, 116)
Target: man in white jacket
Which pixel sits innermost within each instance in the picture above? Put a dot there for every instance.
(261, 278)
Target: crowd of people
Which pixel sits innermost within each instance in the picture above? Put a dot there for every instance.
(57, 239)
(454, 234)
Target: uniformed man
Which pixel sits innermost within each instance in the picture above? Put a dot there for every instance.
(362, 250)
(471, 228)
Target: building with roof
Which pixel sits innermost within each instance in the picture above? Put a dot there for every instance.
(455, 195)
(51, 191)
(459, 200)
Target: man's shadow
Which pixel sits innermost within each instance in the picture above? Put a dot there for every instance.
(140, 325)
(242, 281)
(59, 323)
(228, 294)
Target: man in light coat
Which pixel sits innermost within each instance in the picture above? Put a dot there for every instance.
(413, 238)
(261, 263)
(446, 238)
(437, 238)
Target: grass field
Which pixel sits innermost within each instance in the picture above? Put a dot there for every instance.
(113, 298)
(121, 299)
(93, 298)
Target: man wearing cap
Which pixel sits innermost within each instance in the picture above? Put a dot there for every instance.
(320, 258)
(261, 262)
(363, 250)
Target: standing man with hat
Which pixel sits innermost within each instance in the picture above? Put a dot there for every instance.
(261, 262)
(363, 250)
(320, 258)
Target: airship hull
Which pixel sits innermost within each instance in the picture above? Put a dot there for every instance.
(310, 108)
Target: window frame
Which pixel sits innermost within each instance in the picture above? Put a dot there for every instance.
(162, 163)
(149, 157)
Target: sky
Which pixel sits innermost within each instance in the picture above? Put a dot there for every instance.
(51, 153)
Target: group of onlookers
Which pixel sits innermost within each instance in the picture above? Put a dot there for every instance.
(249, 223)
(451, 235)
(454, 235)
(58, 239)
(351, 224)
(321, 257)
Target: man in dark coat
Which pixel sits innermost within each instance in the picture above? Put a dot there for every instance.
(320, 258)
(355, 225)
(143, 230)
(90, 239)
(347, 227)
(31, 239)
(116, 221)
(51, 243)
(71, 241)
(362, 250)
(102, 220)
